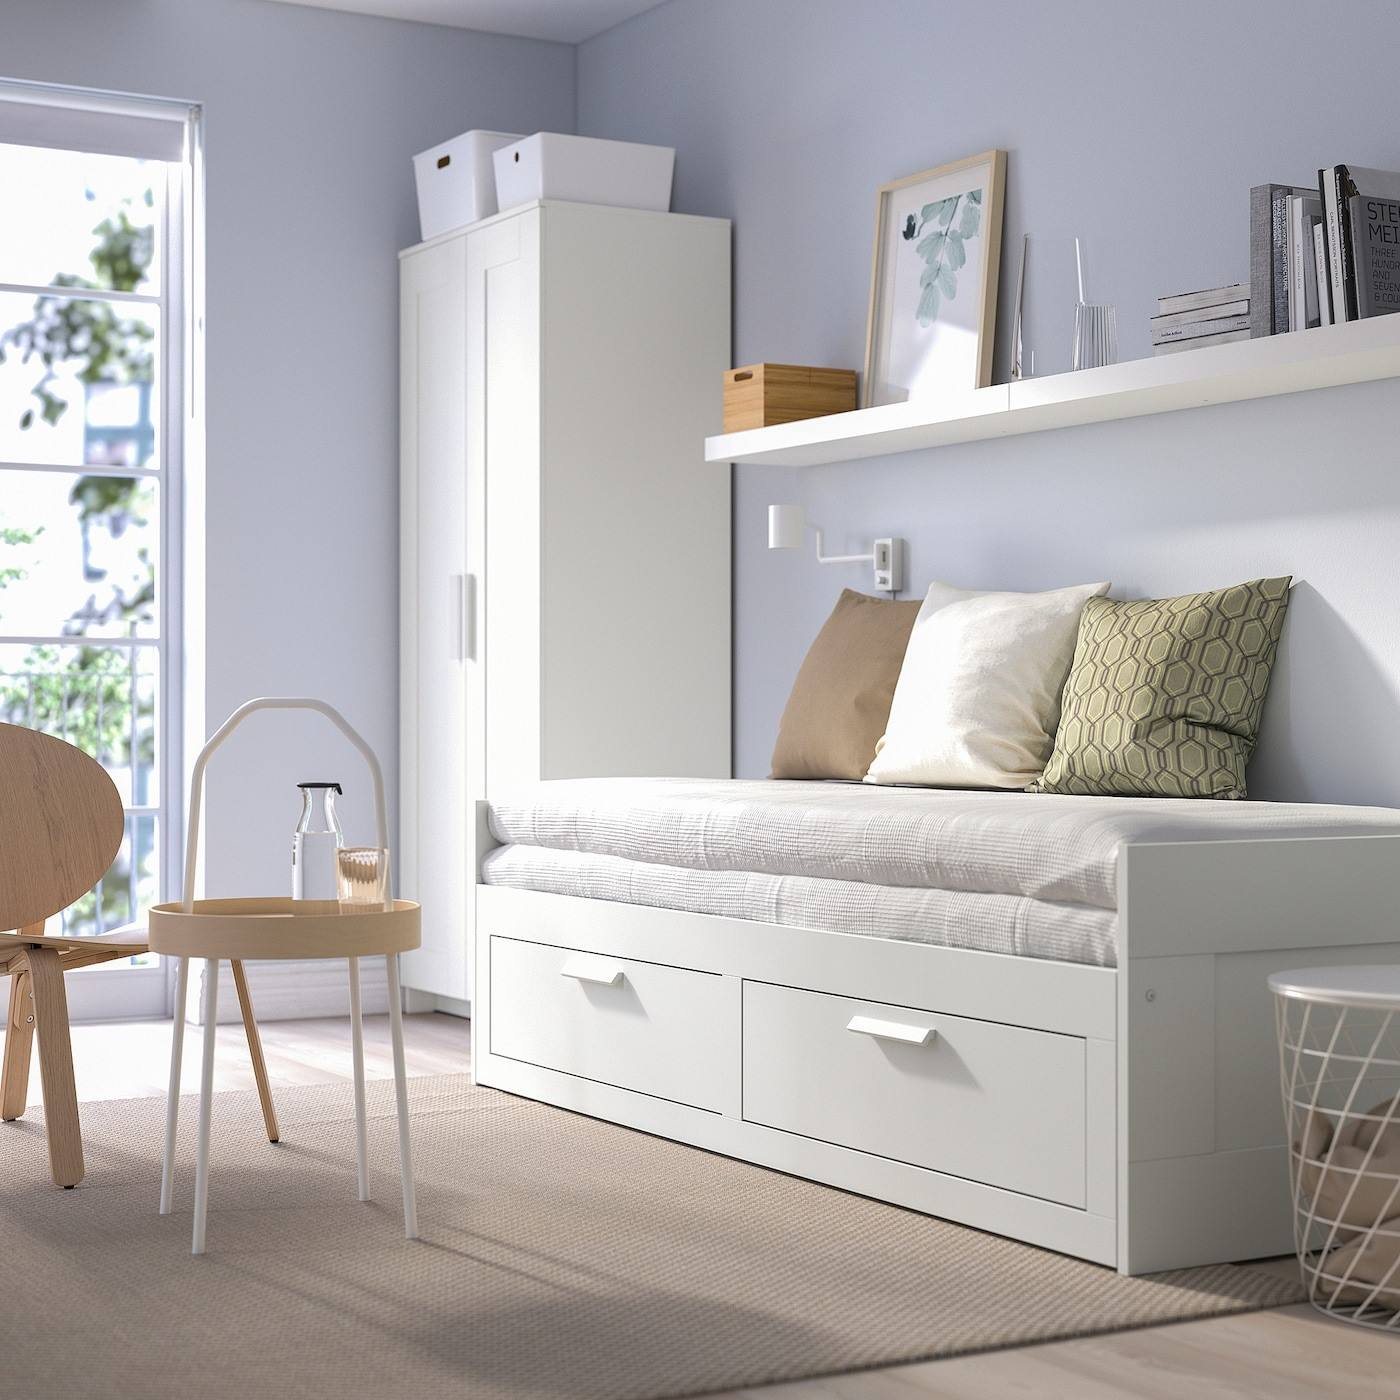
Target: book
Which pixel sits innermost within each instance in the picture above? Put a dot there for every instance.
(1170, 347)
(1211, 296)
(1195, 330)
(1261, 265)
(1324, 285)
(1278, 233)
(1375, 244)
(1239, 307)
(1266, 315)
(1304, 210)
(1332, 219)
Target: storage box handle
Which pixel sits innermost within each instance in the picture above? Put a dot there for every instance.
(891, 1030)
(443, 162)
(740, 374)
(275, 702)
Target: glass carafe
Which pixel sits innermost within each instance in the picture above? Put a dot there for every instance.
(317, 841)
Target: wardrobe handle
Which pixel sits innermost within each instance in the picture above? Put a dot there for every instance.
(469, 616)
(584, 968)
(463, 617)
(891, 1030)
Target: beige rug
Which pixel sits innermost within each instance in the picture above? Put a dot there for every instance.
(561, 1257)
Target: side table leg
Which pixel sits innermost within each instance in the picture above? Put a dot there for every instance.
(410, 1199)
(206, 1103)
(172, 1097)
(357, 1047)
(255, 1050)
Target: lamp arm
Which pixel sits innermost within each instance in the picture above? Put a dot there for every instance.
(837, 558)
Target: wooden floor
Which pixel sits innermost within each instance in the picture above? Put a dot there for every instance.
(1286, 1354)
(130, 1059)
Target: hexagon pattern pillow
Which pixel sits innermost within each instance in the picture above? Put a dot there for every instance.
(1165, 695)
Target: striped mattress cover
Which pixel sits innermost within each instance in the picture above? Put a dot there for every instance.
(1033, 875)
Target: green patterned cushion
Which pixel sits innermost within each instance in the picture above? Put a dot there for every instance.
(1165, 694)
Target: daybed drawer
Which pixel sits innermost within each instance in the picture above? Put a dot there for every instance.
(639, 1025)
(994, 1103)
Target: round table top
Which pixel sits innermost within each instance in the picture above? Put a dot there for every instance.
(1375, 985)
(282, 928)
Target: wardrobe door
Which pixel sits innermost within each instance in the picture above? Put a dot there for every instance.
(504, 474)
(433, 862)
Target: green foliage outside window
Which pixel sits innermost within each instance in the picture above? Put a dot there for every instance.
(84, 693)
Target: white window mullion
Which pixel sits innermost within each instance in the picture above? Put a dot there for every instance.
(176, 335)
(78, 469)
(35, 289)
(61, 639)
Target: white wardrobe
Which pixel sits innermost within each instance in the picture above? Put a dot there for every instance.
(565, 550)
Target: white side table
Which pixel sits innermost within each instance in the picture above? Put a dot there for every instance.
(1339, 1047)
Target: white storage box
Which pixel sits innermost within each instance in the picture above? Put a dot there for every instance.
(456, 182)
(585, 170)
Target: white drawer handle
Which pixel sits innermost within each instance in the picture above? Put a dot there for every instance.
(890, 1030)
(586, 969)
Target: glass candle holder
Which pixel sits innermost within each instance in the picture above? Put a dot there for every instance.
(362, 878)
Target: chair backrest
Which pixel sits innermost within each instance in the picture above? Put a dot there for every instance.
(61, 825)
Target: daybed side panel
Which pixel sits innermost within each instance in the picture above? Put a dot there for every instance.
(1203, 1173)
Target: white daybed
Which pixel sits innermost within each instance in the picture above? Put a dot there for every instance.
(1043, 1016)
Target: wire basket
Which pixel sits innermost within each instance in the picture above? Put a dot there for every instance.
(1339, 1047)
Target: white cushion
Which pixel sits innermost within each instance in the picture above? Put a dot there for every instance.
(978, 697)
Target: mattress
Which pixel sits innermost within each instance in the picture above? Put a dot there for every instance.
(989, 923)
(1027, 874)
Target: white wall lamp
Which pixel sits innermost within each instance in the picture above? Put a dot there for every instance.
(787, 527)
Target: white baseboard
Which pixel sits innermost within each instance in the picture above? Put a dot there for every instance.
(292, 990)
(414, 1001)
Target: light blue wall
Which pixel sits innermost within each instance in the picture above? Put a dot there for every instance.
(1140, 127)
(311, 118)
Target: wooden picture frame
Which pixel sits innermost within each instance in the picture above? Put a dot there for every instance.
(914, 348)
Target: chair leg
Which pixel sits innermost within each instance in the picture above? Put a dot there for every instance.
(56, 1066)
(19, 1040)
(206, 1103)
(410, 1198)
(255, 1051)
(172, 1100)
(357, 1055)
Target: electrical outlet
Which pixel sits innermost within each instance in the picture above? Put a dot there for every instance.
(889, 566)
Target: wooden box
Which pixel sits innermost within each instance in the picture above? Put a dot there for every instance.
(756, 396)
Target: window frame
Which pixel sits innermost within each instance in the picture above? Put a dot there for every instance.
(97, 993)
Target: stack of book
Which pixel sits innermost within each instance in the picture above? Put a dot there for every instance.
(1327, 254)
(1361, 242)
(1216, 316)
(1283, 253)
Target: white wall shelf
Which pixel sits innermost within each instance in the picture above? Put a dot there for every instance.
(1254, 369)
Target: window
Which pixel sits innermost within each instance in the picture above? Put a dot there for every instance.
(94, 433)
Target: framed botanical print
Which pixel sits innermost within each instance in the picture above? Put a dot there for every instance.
(933, 286)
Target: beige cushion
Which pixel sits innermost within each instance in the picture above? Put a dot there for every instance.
(841, 697)
(1370, 1267)
(1365, 1147)
(978, 698)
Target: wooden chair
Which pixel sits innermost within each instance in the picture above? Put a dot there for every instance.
(61, 825)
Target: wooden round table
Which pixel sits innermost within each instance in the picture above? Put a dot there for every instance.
(237, 929)
(241, 929)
